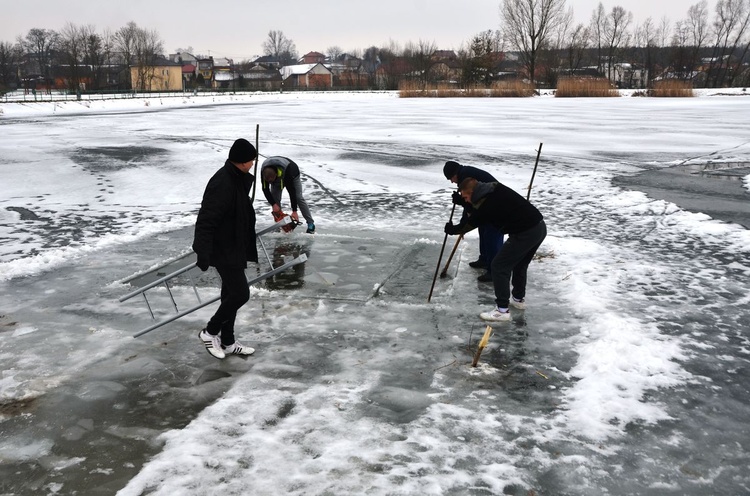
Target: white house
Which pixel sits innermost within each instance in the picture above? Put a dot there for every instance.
(306, 76)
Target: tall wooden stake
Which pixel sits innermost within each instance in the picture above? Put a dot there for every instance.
(257, 156)
(440, 258)
(538, 152)
(453, 252)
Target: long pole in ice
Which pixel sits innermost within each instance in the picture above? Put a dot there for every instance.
(453, 252)
(257, 157)
(538, 152)
(440, 258)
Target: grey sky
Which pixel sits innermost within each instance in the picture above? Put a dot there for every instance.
(237, 29)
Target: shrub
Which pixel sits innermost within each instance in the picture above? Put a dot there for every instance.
(585, 87)
(414, 89)
(671, 88)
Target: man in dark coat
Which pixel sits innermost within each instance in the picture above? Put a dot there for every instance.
(225, 239)
(490, 239)
(278, 173)
(512, 214)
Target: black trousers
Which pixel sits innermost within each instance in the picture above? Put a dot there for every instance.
(512, 262)
(234, 294)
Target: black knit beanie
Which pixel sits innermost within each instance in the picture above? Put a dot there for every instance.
(242, 151)
(451, 169)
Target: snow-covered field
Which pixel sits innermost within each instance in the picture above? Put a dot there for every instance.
(627, 374)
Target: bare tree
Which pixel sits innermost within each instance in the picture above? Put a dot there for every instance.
(334, 52)
(124, 43)
(138, 48)
(646, 45)
(10, 56)
(664, 31)
(730, 29)
(697, 29)
(71, 47)
(552, 54)
(616, 35)
(576, 46)
(419, 56)
(39, 44)
(688, 39)
(598, 26)
(527, 26)
(278, 45)
(148, 48)
(680, 49)
(96, 50)
(663, 36)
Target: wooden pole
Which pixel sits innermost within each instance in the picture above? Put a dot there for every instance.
(482, 343)
(453, 252)
(257, 156)
(440, 258)
(539, 152)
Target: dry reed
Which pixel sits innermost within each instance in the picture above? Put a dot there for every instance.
(585, 87)
(671, 88)
(415, 89)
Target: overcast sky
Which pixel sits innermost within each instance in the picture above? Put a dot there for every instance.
(237, 29)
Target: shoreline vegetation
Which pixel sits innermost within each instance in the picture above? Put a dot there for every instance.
(566, 88)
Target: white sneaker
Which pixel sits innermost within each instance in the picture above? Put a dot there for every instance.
(496, 315)
(237, 348)
(519, 304)
(212, 343)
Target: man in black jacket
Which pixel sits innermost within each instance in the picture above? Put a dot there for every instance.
(512, 214)
(490, 239)
(225, 239)
(279, 173)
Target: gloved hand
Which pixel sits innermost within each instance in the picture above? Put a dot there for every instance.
(295, 217)
(451, 229)
(278, 215)
(203, 262)
(457, 198)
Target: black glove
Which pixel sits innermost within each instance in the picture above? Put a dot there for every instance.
(457, 198)
(203, 263)
(451, 229)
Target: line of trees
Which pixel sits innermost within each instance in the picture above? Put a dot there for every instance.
(78, 53)
(544, 34)
(710, 49)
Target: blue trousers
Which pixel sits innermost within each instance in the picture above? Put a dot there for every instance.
(490, 242)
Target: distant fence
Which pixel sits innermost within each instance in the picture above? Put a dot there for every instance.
(66, 96)
(22, 96)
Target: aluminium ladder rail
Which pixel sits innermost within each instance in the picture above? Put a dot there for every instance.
(165, 280)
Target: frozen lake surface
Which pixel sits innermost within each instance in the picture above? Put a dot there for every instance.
(627, 374)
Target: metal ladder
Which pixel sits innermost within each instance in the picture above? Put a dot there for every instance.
(165, 280)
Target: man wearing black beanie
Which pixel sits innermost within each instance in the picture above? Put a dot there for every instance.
(242, 152)
(225, 239)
